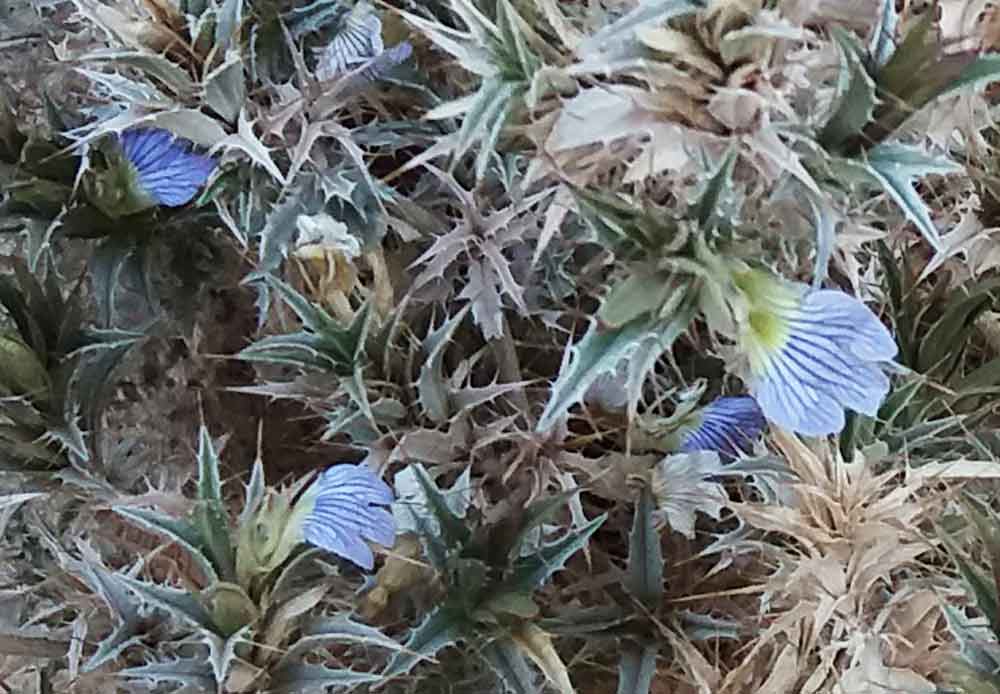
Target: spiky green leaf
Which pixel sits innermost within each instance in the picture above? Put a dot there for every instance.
(636, 667)
(210, 517)
(533, 571)
(179, 531)
(510, 665)
(442, 627)
(644, 575)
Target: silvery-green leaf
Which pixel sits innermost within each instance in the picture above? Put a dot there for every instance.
(179, 604)
(106, 265)
(109, 586)
(193, 672)
(441, 628)
(210, 514)
(883, 39)
(299, 678)
(247, 141)
(855, 101)
(636, 667)
(225, 88)
(826, 219)
(227, 21)
(642, 292)
(122, 88)
(510, 665)
(704, 627)
(279, 230)
(538, 513)
(222, 651)
(623, 30)
(601, 351)
(533, 571)
(895, 167)
(432, 387)
(421, 504)
(340, 629)
(254, 492)
(150, 64)
(175, 530)
(644, 575)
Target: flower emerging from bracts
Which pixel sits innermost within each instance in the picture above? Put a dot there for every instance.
(811, 353)
(340, 511)
(727, 425)
(164, 167)
(343, 508)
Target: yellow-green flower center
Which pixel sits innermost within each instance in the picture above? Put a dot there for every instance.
(766, 330)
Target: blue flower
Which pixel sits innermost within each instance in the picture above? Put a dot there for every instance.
(812, 353)
(349, 507)
(727, 425)
(164, 167)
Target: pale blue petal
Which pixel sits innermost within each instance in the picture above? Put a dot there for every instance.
(728, 426)
(350, 509)
(823, 415)
(857, 328)
(166, 168)
(829, 362)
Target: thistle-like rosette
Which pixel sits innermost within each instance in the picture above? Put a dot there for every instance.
(164, 167)
(345, 507)
(727, 425)
(812, 354)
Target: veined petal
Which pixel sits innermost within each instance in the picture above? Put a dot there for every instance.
(165, 167)
(359, 40)
(727, 425)
(812, 354)
(349, 508)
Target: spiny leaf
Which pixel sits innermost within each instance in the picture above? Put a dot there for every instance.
(192, 672)
(895, 167)
(453, 530)
(538, 513)
(176, 530)
(442, 627)
(608, 39)
(510, 666)
(155, 66)
(116, 596)
(600, 352)
(636, 668)
(644, 575)
(299, 678)
(855, 101)
(339, 629)
(721, 180)
(178, 604)
(432, 388)
(533, 571)
(210, 514)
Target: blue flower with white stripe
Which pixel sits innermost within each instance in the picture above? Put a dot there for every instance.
(727, 425)
(812, 353)
(344, 509)
(164, 169)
